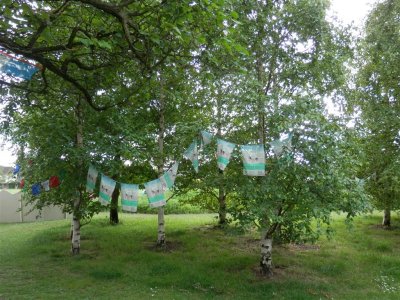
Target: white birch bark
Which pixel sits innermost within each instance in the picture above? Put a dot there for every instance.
(266, 255)
(161, 228)
(386, 218)
(76, 233)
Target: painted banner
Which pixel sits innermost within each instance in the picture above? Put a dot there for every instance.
(192, 154)
(224, 152)
(206, 137)
(168, 178)
(107, 186)
(91, 179)
(253, 160)
(16, 68)
(155, 193)
(129, 197)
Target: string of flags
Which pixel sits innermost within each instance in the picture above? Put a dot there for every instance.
(15, 67)
(253, 157)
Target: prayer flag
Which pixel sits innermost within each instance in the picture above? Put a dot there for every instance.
(155, 193)
(22, 183)
(36, 189)
(253, 160)
(278, 146)
(91, 179)
(46, 186)
(16, 169)
(54, 181)
(16, 68)
(192, 154)
(168, 178)
(107, 186)
(206, 137)
(224, 152)
(129, 197)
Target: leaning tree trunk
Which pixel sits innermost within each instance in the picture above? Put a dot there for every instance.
(266, 255)
(386, 218)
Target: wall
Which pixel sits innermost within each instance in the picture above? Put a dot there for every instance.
(12, 210)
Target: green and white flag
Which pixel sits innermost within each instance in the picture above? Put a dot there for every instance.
(253, 160)
(168, 178)
(278, 146)
(192, 154)
(91, 179)
(107, 186)
(206, 137)
(155, 193)
(224, 152)
(129, 197)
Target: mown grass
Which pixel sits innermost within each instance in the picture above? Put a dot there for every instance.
(202, 262)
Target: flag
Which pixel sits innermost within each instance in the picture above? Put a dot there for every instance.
(168, 178)
(46, 185)
(16, 169)
(206, 137)
(54, 182)
(129, 197)
(155, 193)
(192, 154)
(91, 179)
(16, 68)
(224, 152)
(22, 183)
(36, 189)
(278, 146)
(253, 160)
(107, 186)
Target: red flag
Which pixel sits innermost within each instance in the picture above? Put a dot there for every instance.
(22, 183)
(54, 181)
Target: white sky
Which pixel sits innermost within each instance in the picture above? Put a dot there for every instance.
(347, 11)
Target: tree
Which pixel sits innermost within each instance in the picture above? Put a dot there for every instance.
(377, 102)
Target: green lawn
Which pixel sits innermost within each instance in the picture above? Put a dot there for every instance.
(120, 262)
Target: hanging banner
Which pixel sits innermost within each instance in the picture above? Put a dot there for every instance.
(206, 137)
(16, 68)
(192, 154)
(46, 185)
(155, 193)
(253, 160)
(168, 178)
(129, 197)
(224, 152)
(91, 179)
(36, 189)
(278, 146)
(107, 186)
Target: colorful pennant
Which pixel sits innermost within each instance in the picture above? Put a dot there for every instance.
(107, 186)
(168, 178)
(54, 181)
(91, 179)
(224, 152)
(192, 154)
(155, 193)
(129, 197)
(253, 160)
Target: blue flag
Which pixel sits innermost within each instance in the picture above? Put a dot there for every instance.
(16, 68)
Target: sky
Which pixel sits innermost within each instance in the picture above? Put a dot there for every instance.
(347, 11)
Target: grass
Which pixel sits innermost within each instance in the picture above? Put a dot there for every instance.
(121, 262)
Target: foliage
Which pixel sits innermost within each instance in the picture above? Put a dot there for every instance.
(376, 101)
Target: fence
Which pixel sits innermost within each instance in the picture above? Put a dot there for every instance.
(13, 210)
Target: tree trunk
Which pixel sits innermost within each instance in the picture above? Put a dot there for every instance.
(222, 205)
(266, 256)
(161, 132)
(161, 228)
(114, 206)
(76, 230)
(386, 218)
